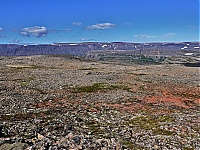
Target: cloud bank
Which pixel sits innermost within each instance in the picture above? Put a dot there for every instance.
(144, 36)
(101, 26)
(15, 41)
(36, 31)
(169, 34)
(87, 39)
(76, 23)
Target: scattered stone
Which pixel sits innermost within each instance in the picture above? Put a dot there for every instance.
(133, 107)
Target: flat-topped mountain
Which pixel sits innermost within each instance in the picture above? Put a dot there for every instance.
(82, 49)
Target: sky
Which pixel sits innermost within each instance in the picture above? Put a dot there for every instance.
(74, 21)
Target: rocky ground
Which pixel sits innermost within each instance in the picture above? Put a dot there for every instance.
(49, 102)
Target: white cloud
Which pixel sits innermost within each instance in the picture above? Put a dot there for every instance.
(144, 36)
(1, 29)
(87, 39)
(36, 31)
(24, 33)
(15, 41)
(76, 23)
(67, 29)
(101, 26)
(58, 30)
(169, 34)
(63, 30)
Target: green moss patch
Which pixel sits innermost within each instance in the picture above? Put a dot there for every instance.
(152, 123)
(100, 87)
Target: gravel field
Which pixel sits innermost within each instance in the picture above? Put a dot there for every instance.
(65, 103)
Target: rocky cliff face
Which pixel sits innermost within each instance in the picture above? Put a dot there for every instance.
(81, 49)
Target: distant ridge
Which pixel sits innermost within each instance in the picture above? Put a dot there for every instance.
(81, 49)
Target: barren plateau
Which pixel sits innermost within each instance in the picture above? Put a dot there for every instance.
(60, 102)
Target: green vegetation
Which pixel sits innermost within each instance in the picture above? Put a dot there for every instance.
(189, 148)
(159, 131)
(162, 58)
(143, 58)
(94, 128)
(133, 58)
(24, 66)
(152, 123)
(24, 82)
(100, 87)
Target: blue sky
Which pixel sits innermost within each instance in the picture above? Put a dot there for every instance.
(49, 21)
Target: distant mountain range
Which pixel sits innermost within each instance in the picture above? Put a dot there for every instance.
(83, 49)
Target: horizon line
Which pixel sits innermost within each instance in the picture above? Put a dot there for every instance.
(55, 43)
